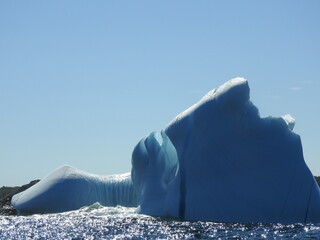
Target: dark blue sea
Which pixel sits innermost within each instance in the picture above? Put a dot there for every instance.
(97, 222)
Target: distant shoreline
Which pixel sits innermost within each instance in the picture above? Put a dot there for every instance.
(6, 194)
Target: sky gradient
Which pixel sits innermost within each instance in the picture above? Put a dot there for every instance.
(82, 81)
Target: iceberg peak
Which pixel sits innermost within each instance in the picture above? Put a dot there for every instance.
(236, 89)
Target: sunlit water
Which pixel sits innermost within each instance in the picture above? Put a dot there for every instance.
(97, 222)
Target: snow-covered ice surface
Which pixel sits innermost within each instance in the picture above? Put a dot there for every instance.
(216, 161)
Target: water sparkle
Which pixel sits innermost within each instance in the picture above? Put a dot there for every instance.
(97, 222)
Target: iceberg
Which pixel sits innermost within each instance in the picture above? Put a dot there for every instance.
(216, 161)
(68, 188)
(220, 161)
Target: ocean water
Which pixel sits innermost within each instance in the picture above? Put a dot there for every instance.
(98, 222)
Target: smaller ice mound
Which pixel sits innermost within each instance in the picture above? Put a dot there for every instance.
(68, 188)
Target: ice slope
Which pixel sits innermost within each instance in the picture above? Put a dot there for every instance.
(220, 161)
(68, 188)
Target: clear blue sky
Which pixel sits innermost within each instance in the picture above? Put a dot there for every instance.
(82, 81)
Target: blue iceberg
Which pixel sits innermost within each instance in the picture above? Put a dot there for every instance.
(220, 161)
(216, 161)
